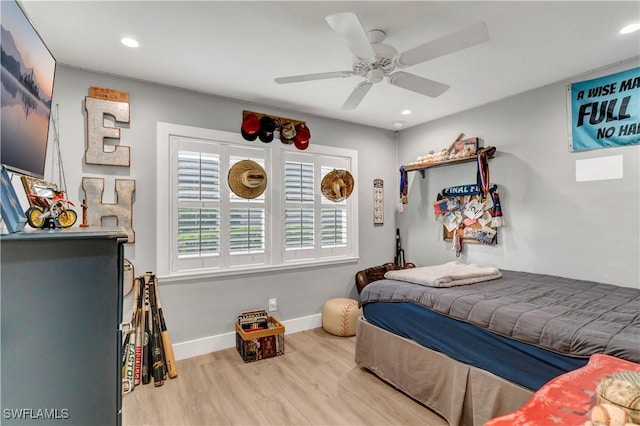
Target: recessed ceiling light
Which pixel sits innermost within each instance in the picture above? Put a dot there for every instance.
(406, 112)
(397, 124)
(129, 42)
(630, 28)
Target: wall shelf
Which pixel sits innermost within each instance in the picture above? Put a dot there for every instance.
(422, 167)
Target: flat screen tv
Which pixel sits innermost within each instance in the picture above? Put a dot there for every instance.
(28, 69)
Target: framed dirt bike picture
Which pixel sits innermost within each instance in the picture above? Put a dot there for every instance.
(48, 206)
(37, 189)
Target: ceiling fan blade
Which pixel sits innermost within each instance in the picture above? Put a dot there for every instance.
(467, 37)
(357, 95)
(348, 27)
(417, 84)
(311, 77)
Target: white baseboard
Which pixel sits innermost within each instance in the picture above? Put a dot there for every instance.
(210, 344)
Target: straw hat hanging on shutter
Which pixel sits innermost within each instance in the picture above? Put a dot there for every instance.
(247, 179)
(337, 185)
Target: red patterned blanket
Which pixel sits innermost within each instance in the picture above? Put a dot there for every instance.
(568, 399)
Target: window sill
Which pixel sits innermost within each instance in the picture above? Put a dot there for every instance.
(249, 270)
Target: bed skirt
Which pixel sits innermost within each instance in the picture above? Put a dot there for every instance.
(461, 394)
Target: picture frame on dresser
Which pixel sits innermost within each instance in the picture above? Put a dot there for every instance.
(12, 215)
(36, 189)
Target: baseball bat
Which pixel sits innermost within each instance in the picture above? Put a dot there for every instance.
(130, 340)
(172, 368)
(137, 371)
(139, 324)
(127, 338)
(129, 368)
(125, 349)
(155, 319)
(146, 314)
(157, 361)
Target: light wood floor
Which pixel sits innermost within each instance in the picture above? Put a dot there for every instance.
(316, 382)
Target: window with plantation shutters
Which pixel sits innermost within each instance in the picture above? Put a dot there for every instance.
(299, 199)
(315, 227)
(204, 229)
(246, 220)
(198, 215)
(333, 221)
(214, 228)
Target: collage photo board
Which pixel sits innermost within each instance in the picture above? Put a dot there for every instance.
(475, 216)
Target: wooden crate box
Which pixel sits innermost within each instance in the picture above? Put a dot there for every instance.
(260, 344)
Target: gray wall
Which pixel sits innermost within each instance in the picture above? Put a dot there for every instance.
(196, 309)
(554, 225)
(587, 230)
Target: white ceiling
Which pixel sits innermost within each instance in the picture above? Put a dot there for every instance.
(236, 48)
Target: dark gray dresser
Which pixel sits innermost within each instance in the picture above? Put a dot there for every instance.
(61, 296)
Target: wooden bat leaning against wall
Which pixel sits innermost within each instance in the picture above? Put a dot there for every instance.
(129, 347)
(139, 325)
(146, 325)
(172, 368)
(147, 350)
(157, 359)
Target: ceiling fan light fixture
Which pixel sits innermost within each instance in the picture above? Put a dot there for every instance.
(375, 75)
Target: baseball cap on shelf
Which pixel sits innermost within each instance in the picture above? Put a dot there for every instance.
(250, 127)
(267, 127)
(301, 139)
(287, 132)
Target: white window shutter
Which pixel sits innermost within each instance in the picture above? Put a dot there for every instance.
(246, 230)
(334, 227)
(299, 199)
(198, 209)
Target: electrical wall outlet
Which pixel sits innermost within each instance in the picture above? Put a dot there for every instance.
(273, 305)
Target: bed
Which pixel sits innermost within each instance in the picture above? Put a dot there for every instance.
(477, 351)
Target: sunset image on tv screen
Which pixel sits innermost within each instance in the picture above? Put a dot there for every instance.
(27, 84)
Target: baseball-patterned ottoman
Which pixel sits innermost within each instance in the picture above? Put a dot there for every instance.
(340, 316)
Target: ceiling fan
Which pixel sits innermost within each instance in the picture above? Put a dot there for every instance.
(374, 60)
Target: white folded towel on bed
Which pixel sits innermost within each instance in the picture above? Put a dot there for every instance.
(447, 275)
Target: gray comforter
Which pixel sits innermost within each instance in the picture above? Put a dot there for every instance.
(571, 317)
